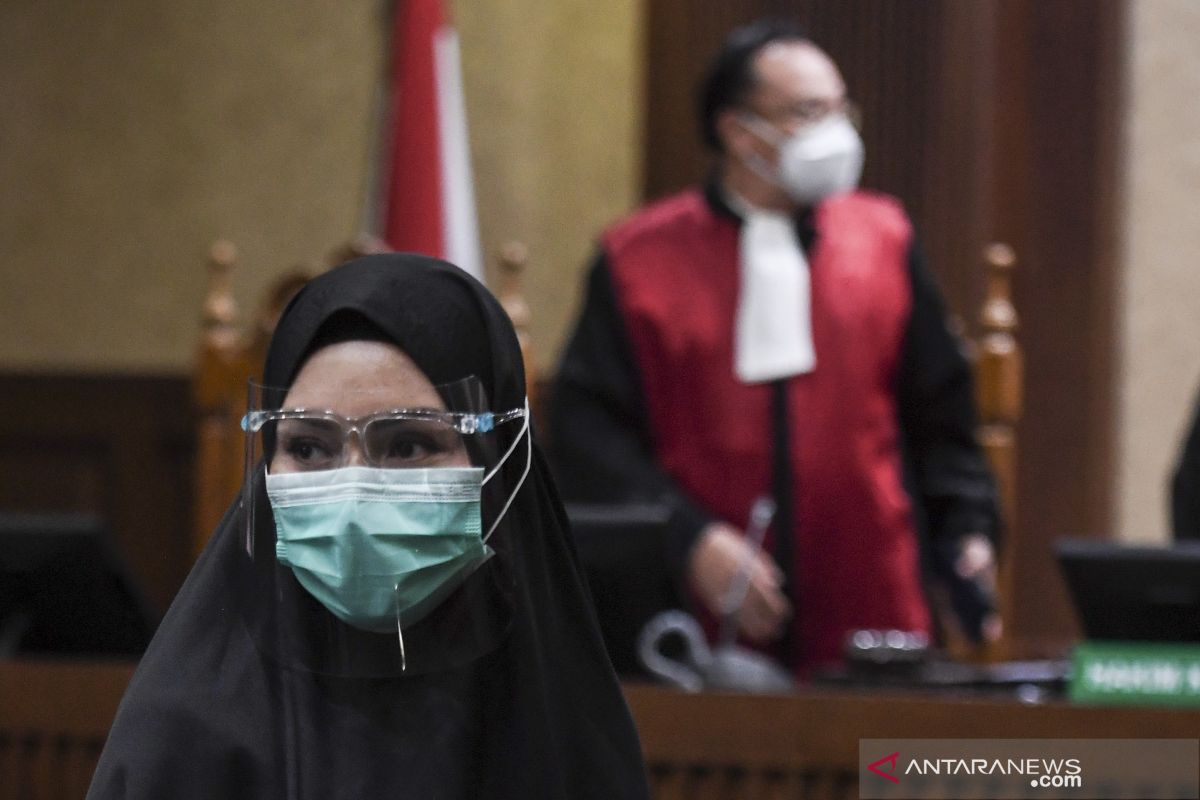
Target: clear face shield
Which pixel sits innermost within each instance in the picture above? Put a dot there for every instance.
(375, 534)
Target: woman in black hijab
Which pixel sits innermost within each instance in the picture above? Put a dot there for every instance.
(261, 683)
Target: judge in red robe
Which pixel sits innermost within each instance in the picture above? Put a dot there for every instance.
(776, 333)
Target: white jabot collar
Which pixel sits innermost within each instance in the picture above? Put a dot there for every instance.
(773, 326)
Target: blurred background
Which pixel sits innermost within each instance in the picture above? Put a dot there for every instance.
(135, 133)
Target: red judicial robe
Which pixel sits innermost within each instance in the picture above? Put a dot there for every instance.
(858, 441)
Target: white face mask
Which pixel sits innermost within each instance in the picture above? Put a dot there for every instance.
(818, 161)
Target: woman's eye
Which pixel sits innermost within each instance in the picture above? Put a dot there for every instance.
(410, 449)
(308, 451)
(409, 443)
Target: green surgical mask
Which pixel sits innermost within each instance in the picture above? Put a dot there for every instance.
(379, 548)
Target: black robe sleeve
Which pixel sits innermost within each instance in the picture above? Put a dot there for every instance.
(1185, 485)
(599, 427)
(952, 487)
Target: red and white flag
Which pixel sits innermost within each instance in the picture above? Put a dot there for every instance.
(428, 193)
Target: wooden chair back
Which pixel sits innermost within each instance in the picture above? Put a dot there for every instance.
(230, 353)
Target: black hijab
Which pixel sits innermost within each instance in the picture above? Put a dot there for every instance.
(542, 716)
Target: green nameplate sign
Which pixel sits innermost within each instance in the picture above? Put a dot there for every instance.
(1136, 673)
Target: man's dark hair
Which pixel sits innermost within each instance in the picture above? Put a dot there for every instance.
(730, 75)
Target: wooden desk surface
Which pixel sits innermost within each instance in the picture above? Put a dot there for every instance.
(821, 728)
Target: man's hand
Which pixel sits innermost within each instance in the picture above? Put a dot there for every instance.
(977, 562)
(715, 561)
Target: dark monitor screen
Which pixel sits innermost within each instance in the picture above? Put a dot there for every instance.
(621, 550)
(64, 592)
(1124, 592)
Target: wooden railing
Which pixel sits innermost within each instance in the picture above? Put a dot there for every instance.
(752, 747)
(54, 718)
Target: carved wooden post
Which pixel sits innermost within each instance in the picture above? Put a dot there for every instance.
(512, 259)
(999, 375)
(219, 362)
(999, 388)
(219, 322)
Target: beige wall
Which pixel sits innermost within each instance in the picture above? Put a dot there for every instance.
(1160, 299)
(135, 132)
(553, 96)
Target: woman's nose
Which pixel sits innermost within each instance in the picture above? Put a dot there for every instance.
(353, 454)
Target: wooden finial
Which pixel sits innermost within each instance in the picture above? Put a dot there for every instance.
(999, 370)
(1000, 254)
(514, 254)
(220, 309)
(999, 314)
(223, 252)
(513, 257)
(362, 244)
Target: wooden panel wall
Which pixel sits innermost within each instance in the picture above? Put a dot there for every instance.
(119, 447)
(1057, 163)
(991, 120)
(921, 115)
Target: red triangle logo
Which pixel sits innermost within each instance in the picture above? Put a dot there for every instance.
(889, 760)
